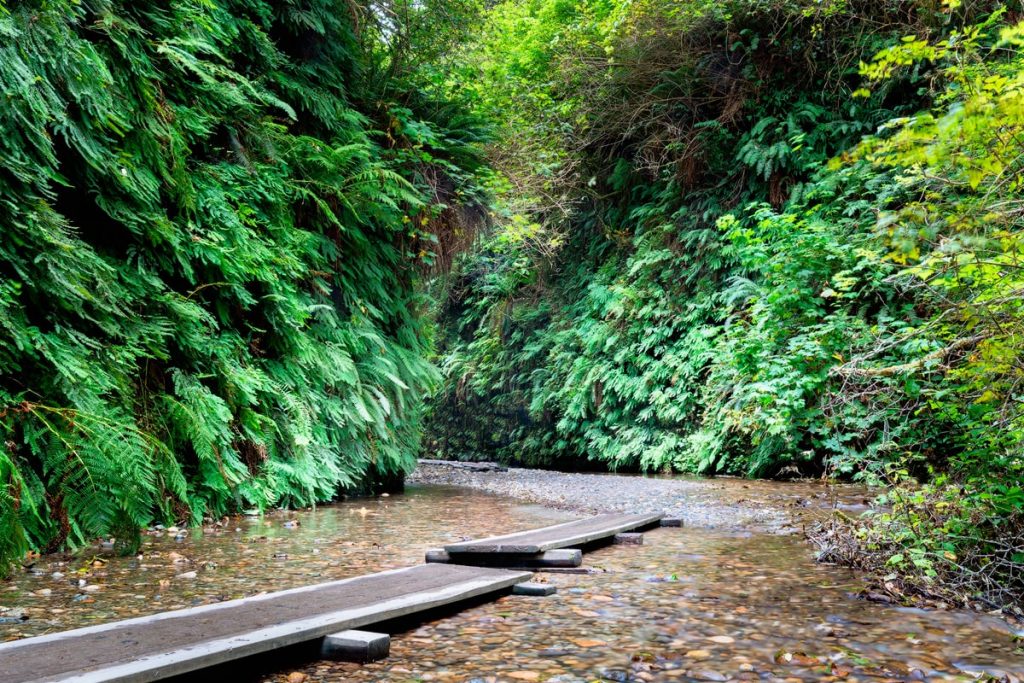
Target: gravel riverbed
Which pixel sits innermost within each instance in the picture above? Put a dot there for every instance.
(722, 503)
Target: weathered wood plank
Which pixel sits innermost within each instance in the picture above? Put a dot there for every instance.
(471, 466)
(563, 557)
(568, 534)
(436, 555)
(172, 643)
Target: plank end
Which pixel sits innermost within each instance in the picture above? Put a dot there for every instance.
(356, 646)
(533, 588)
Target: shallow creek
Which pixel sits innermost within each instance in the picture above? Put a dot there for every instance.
(689, 604)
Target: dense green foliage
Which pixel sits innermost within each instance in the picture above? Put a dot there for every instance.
(742, 236)
(207, 256)
(603, 312)
(758, 236)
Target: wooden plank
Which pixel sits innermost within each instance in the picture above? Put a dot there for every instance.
(436, 555)
(563, 557)
(568, 534)
(172, 643)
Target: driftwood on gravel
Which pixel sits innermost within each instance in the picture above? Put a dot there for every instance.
(471, 466)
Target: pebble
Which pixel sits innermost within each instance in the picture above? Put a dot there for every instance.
(589, 642)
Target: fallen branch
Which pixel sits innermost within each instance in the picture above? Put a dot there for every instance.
(906, 368)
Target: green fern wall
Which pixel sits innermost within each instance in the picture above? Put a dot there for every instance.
(207, 295)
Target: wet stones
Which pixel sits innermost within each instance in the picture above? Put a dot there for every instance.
(675, 598)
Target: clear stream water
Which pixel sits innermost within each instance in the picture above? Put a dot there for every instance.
(688, 605)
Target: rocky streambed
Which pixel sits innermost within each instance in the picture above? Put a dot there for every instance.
(722, 599)
(725, 503)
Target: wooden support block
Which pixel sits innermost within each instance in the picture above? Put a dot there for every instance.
(628, 539)
(568, 557)
(437, 555)
(356, 646)
(575, 534)
(534, 589)
(671, 521)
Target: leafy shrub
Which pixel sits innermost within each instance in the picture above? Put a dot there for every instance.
(787, 234)
(950, 543)
(642, 329)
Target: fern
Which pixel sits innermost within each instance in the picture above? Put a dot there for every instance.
(209, 297)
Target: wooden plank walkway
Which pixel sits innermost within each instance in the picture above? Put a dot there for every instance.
(172, 643)
(570, 534)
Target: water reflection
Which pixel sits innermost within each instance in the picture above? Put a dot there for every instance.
(245, 556)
